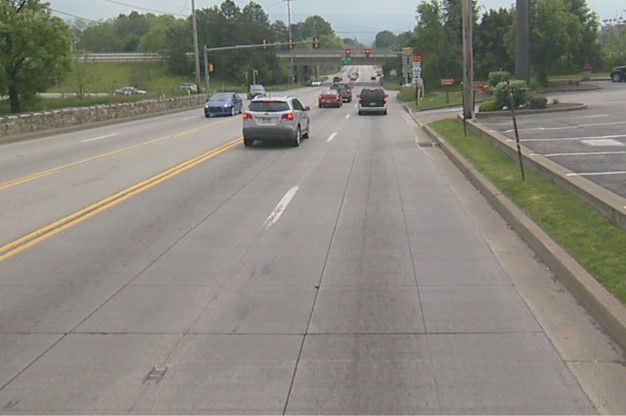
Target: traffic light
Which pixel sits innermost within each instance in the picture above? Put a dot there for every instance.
(316, 43)
(348, 52)
(368, 52)
(210, 67)
(265, 44)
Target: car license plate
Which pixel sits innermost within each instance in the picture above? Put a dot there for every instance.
(372, 104)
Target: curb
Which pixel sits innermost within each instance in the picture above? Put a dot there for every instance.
(598, 302)
(607, 203)
(534, 111)
(61, 130)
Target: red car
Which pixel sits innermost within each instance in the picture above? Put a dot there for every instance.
(330, 98)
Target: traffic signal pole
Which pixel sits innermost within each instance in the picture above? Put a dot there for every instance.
(207, 79)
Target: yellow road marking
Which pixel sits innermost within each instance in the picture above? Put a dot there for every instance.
(56, 169)
(50, 230)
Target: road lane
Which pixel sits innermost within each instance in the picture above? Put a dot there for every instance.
(73, 178)
(374, 292)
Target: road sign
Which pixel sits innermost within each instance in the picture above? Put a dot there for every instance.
(417, 58)
(447, 81)
(346, 60)
(407, 51)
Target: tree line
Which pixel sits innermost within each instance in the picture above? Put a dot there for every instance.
(565, 35)
(222, 25)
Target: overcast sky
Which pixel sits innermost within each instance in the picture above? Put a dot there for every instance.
(350, 18)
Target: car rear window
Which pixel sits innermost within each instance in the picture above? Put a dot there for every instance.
(330, 92)
(376, 94)
(269, 106)
(221, 97)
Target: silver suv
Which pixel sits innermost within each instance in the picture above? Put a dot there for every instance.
(276, 118)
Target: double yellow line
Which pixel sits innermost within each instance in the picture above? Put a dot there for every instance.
(56, 169)
(42, 234)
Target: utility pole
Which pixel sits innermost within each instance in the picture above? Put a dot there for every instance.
(468, 65)
(291, 57)
(196, 53)
(522, 40)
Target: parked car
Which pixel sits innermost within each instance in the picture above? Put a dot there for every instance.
(223, 104)
(329, 98)
(373, 100)
(316, 83)
(189, 87)
(345, 91)
(129, 91)
(618, 74)
(256, 90)
(277, 118)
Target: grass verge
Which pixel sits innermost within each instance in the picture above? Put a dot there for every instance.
(435, 99)
(580, 230)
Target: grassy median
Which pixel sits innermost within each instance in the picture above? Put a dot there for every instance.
(580, 230)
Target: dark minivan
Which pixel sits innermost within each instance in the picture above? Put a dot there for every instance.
(373, 100)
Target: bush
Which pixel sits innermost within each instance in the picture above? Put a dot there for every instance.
(489, 105)
(538, 101)
(556, 101)
(520, 93)
(497, 77)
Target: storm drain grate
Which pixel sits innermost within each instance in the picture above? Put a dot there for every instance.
(156, 374)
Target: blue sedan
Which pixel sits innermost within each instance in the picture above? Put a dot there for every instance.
(223, 104)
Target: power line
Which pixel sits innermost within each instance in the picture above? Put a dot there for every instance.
(143, 8)
(72, 15)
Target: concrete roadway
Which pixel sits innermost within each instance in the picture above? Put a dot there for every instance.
(358, 273)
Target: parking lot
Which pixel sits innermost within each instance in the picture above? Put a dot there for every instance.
(590, 142)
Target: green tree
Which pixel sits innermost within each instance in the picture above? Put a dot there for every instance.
(314, 26)
(385, 39)
(331, 42)
(551, 35)
(490, 48)
(429, 41)
(34, 49)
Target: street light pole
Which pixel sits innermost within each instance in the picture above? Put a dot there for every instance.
(196, 53)
(522, 40)
(291, 57)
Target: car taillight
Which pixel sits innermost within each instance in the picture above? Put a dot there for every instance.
(349, 91)
(385, 100)
(247, 116)
(360, 100)
(288, 116)
(336, 97)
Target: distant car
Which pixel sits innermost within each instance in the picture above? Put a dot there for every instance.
(330, 98)
(277, 118)
(618, 74)
(223, 104)
(337, 80)
(345, 91)
(373, 78)
(354, 77)
(373, 100)
(129, 91)
(190, 87)
(256, 90)
(316, 83)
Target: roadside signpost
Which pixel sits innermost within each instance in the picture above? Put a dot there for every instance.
(406, 63)
(447, 82)
(418, 84)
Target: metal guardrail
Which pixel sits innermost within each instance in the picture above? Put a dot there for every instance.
(122, 57)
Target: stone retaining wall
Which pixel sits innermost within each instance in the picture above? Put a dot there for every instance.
(68, 117)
